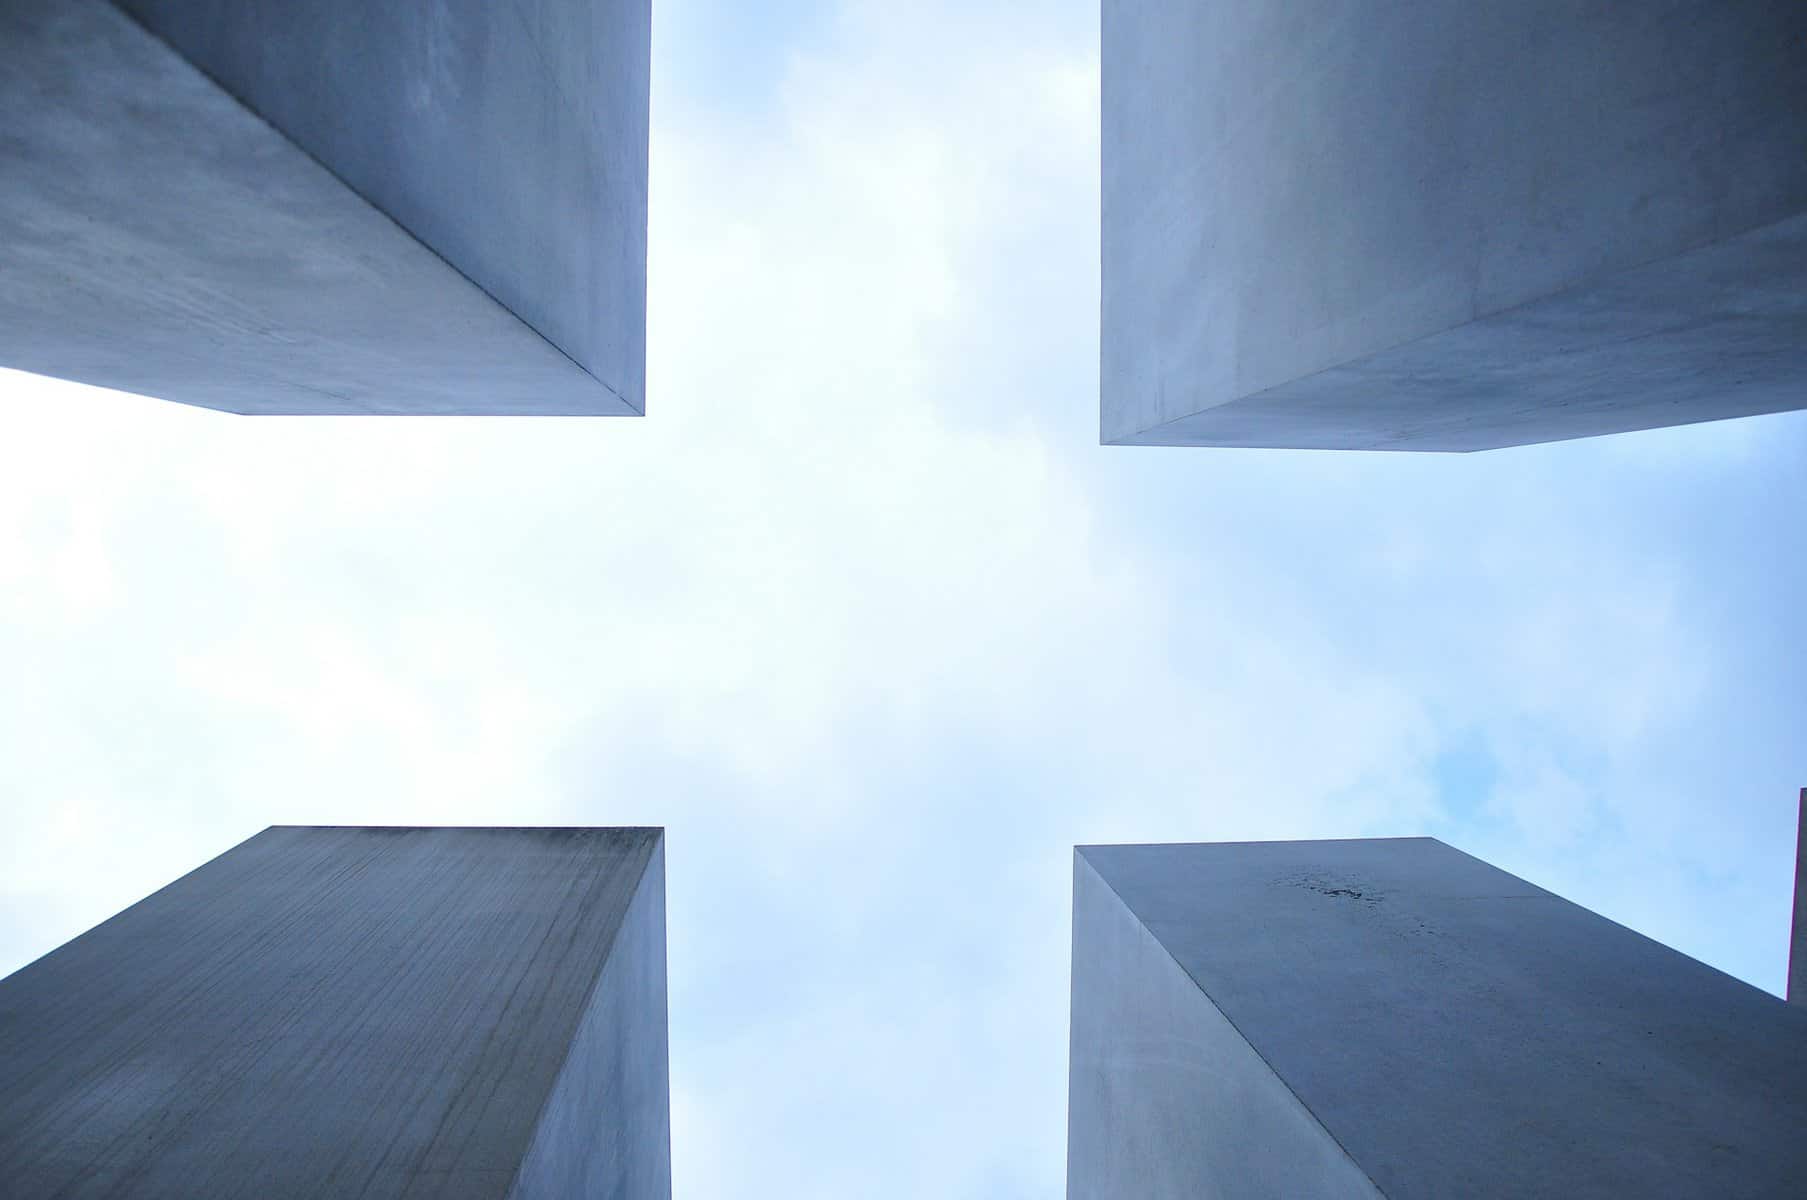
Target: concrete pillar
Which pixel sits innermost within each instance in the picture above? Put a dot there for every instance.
(470, 1013)
(328, 206)
(1424, 225)
(1394, 1018)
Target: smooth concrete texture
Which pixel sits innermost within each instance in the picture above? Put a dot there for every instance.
(509, 137)
(1797, 942)
(475, 1014)
(1453, 1029)
(1165, 1095)
(157, 237)
(1428, 226)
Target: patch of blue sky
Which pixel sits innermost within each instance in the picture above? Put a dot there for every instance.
(1464, 773)
(729, 60)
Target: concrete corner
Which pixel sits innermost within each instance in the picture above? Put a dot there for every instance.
(1393, 1017)
(326, 206)
(1426, 226)
(446, 1012)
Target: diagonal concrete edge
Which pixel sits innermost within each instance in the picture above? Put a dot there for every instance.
(509, 138)
(1167, 1099)
(605, 1129)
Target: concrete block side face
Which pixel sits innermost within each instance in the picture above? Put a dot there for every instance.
(1293, 188)
(1461, 1032)
(606, 1128)
(1166, 1100)
(1797, 950)
(511, 138)
(156, 237)
(1713, 333)
(360, 1012)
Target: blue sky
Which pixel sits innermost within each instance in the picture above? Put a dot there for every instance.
(865, 616)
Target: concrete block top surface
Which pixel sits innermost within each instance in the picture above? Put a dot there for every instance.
(359, 1012)
(1460, 1032)
(1406, 225)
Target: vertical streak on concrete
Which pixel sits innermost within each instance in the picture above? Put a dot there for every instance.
(606, 1127)
(374, 1014)
(1797, 946)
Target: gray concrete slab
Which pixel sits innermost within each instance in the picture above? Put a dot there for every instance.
(1797, 942)
(459, 1013)
(1424, 226)
(157, 237)
(1455, 1030)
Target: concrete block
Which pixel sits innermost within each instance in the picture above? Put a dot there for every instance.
(1395, 1018)
(1356, 224)
(462, 1013)
(1797, 942)
(328, 207)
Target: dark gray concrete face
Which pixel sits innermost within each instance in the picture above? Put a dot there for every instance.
(1452, 1029)
(157, 237)
(1797, 945)
(475, 1014)
(606, 1127)
(1426, 226)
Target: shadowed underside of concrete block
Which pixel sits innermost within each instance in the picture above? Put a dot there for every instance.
(418, 207)
(1395, 1018)
(1429, 226)
(470, 1013)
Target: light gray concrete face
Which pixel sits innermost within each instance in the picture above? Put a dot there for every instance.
(475, 1014)
(1451, 1029)
(1167, 1101)
(1426, 226)
(1797, 947)
(458, 225)
(511, 138)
